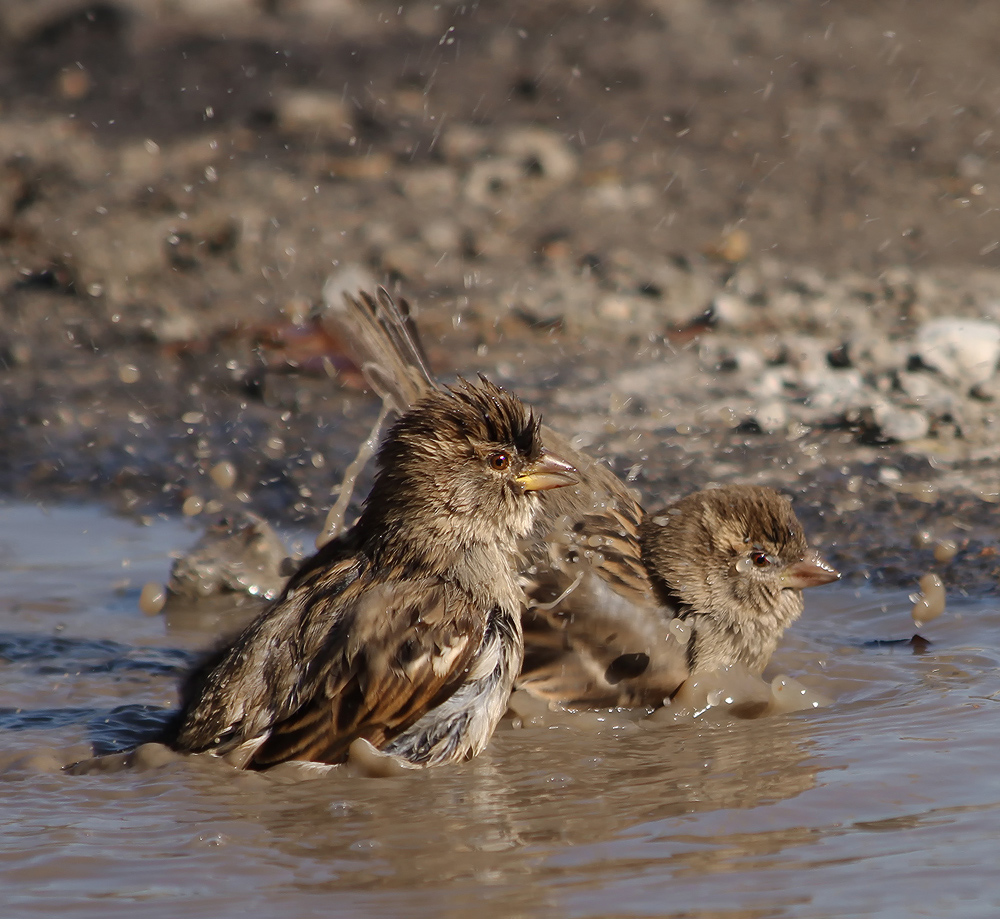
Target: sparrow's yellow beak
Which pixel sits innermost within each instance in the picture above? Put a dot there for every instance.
(548, 471)
(810, 571)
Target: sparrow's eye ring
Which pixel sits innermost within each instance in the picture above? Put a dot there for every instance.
(760, 559)
(499, 462)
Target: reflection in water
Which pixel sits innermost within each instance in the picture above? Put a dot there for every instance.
(536, 788)
(880, 804)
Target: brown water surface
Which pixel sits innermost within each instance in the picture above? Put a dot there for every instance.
(885, 803)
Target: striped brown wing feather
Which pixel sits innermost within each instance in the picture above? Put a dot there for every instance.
(410, 647)
(598, 517)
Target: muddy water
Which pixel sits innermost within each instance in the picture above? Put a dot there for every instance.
(885, 803)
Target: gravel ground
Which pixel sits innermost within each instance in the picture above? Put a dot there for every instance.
(717, 241)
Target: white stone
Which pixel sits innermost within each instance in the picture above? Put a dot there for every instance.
(900, 423)
(771, 416)
(963, 350)
(749, 360)
(835, 390)
(771, 383)
(441, 235)
(930, 393)
(731, 310)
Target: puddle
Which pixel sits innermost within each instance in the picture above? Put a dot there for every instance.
(881, 804)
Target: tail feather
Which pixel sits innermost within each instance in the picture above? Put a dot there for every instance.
(384, 342)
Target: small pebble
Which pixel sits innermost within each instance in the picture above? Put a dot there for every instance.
(192, 506)
(889, 475)
(901, 424)
(734, 247)
(544, 150)
(730, 310)
(74, 83)
(771, 415)
(316, 113)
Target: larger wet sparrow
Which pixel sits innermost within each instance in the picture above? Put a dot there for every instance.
(405, 631)
(622, 607)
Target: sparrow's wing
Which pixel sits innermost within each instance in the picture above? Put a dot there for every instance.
(338, 656)
(594, 523)
(593, 637)
(401, 649)
(384, 342)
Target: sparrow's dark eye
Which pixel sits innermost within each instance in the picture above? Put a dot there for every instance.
(760, 559)
(499, 461)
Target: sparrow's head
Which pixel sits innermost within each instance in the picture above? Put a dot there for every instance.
(735, 559)
(462, 468)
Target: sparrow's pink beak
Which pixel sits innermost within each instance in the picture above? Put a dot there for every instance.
(810, 571)
(548, 471)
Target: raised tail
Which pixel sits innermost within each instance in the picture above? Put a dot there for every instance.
(383, 340)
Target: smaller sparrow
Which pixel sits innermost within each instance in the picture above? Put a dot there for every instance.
(404, 631)
(727, 567)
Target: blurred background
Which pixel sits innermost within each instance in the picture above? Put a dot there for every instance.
(777, 196)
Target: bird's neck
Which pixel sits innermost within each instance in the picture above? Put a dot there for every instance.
(720, 638)
(487, 572)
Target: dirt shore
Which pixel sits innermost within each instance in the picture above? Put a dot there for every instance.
(718, 241)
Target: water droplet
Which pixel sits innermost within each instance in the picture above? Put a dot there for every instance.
(152, 599)
(128, 374)
(945, 550)
(224, 475)
(931, 602)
